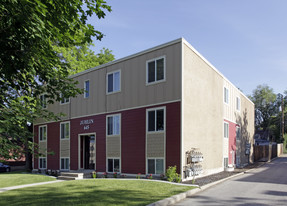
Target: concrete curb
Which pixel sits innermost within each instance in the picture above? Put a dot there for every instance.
(28, 185)
(176, 198)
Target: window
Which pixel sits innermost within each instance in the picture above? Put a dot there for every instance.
(65, 130)
(156, 70)
(226, 130)
(226, 95)
(113, 165)
(155, 120)
(113, 125)
(42, 163)
(225, 159)
(238, 133)
(43, 101)
(65, 163)
(113, 82)
(87, 89)
(43, 133)
(64, 100)
(238, 104)
(155, 166)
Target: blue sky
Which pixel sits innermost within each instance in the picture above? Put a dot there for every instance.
(246, 40)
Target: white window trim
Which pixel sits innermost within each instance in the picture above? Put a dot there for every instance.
(40, 164)
(155, 158)
(228, 96)
(61, 163)
(63, 103)
(227, 130)
(46, 133)
(46, 105)
(238, 109)
(120, 122)
(85, 97)
(107, 82)
(164, 120)
(113, 158)
(69, 130)
(164, 71)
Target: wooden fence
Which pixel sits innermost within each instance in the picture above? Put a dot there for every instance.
(267, 152)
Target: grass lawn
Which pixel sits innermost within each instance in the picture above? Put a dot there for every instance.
(93, 192)
(19, 178)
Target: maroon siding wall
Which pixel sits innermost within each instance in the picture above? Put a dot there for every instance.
(173, 113)
(53, 145)
(99, 127)
(133, 140)
(36, 140)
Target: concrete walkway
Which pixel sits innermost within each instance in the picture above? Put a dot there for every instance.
(28, 185)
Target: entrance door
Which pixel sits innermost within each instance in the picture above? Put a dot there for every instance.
(87, 152)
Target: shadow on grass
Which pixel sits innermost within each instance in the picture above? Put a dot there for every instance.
(82, 193)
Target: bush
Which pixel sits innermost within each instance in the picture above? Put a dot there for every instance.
(94, 174)
(178, 178)
(171, 173)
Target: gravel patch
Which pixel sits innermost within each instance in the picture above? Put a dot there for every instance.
(222, 175)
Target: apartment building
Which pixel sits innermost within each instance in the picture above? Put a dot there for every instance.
(145, 112)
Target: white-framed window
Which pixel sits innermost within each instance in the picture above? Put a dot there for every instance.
(64, 100)
(238, 103)
(43, 101)
(155, 70)
(113, 124)
(65, 130)
(43, 133)
(42, 163)
(238, 133)
(156, 119)
(226, 95)
(155, 166)
(114, 82)
(226, 130)
(87, 89)
(65, 163)
(113, 164)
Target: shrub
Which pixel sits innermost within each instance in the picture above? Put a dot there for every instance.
(115, 175)
(105, 175)
(149, 176)
(138, 176)
(94, 174)
(171, 173)
(178, 178)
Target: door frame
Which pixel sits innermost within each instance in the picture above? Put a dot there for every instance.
(79, 148)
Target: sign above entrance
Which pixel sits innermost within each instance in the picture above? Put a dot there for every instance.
(86, 123)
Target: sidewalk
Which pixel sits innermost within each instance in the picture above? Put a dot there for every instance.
(28, 185)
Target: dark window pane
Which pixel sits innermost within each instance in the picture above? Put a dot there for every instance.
(62, 164)
(87, 88)
(110, 83)
(62, 131)
(110, 165)
(151, 121)
(151, 166)
(151, 71)
(110, 125)
(159, 69)
(116, 165)
(159, 166)
(159, 120)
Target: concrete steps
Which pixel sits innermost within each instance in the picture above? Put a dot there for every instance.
(71, 176)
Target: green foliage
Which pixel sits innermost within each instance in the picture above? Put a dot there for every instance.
(30, 65)
(94, 174)
(268, 112)
(172, 175)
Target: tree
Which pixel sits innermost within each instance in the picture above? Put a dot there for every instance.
(30, 65)
(265, 105)
(82, 57)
